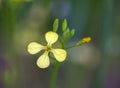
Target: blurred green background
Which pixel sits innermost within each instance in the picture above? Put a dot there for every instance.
(93, 65)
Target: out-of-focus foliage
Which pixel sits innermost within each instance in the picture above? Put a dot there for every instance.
(93, 65)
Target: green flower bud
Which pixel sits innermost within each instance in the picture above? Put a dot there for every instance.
(55, 25)
(64, 25)
(72, 32)
(66, 34)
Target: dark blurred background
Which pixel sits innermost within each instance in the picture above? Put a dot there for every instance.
(93, 65)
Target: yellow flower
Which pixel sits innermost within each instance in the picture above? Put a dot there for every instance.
(43, 61)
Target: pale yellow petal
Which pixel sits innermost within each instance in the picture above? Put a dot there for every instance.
(60, 54)
(43, 61)
(51, 37)
(34, 47)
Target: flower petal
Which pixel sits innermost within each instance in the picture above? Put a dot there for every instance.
(60, 54)
(51, 37)
(34, 47)
(43, 61)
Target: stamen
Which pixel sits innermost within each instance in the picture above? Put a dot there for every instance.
(48, 48)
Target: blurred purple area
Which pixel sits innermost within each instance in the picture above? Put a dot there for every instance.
(3, 64)
(113, 76)
(3, 67)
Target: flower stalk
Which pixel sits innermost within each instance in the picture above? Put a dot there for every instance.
(53, 79)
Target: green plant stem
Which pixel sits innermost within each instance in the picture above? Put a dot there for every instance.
(54, 75)
(70, 47)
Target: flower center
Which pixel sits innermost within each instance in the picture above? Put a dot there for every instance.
(48, 48)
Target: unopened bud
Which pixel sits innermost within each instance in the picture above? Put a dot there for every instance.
(86, 39)
(83, 41)
(55, 25)
(64, 25)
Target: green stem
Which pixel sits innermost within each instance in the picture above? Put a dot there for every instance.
(70, 47)
(62, 42)
(54, 75)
